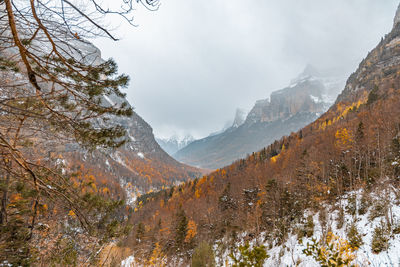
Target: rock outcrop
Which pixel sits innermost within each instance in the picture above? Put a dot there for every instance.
(304, 96)
(397, 17)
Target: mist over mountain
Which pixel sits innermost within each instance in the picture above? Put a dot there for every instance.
(174, 143)
(286, 110)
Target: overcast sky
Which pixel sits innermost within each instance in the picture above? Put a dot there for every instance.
(193, 62)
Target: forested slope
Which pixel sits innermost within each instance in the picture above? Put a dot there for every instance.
(355, 144)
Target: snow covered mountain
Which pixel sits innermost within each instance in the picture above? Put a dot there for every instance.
(286, 110)
(174, 143)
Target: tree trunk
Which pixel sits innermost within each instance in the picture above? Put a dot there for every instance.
(3, 213)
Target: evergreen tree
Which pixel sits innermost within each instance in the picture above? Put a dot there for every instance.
(373, 95)
(247, 256)
(181, 229)
(203, 256)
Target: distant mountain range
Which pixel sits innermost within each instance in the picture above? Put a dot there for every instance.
(174, 143)
(287, 110)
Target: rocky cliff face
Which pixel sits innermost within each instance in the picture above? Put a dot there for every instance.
(304, 96)
(240, 118)
(397, 17)
(285, 111)
(380, 64)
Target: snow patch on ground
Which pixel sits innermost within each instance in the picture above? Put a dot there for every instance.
(116, 157)
(131, 192)
(62, 163)
(131, 137)
(128, 262)
(140, 155)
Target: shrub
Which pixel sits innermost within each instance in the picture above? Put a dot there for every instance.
(203, 256)
(340, 218)
(249, 257)
(355, 238)
(281, 232)
(322, 217)
(306, 229)
(396, 227)
(351, 207)
(309, 226)
(336, 252)
(157, 257)
(380, 239)
(379, 209)
(364, 203)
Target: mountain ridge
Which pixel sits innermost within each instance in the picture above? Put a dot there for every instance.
(285, 111)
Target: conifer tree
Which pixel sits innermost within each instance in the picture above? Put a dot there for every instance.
(181, 229)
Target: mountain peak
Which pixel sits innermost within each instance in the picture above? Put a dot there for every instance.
(308, 73)
(310, 70)
(174, 143)
(240, 117)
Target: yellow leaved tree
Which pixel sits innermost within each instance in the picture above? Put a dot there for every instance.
(336, 252)
(191, 231)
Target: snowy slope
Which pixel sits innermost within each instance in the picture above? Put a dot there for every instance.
(291, 252)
